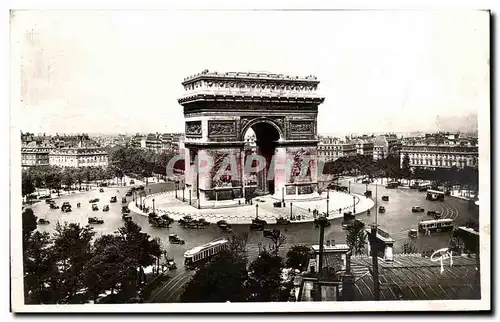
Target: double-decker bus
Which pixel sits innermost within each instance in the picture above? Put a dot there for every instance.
(435, 195)
(202, 254)
(436, 225)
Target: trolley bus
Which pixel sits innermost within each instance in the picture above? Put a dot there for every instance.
(436, 225)
(202, 254)
(435, 195)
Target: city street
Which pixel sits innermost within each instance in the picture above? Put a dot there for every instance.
(397, 220)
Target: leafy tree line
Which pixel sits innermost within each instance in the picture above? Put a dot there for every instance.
(69, 267)
(231, 277)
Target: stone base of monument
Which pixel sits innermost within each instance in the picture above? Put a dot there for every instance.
(216, 204)
(302, 197)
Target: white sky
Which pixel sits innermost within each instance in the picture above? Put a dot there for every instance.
(121, 71)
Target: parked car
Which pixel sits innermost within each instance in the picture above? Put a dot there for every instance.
(417, 209)
(113, 199)
(95, 220)
(225, 228)
(413, 233)
(381, 209)
(221, 222)
(282, 221)
(175, 239)
(385, 198)
(366, 181)
(105, 208)
(43, 221)
(95, 207)
(203, 221)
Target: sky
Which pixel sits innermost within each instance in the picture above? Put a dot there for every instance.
(121, 71)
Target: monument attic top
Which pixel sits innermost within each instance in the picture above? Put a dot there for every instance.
(250, 76)
(249, 85)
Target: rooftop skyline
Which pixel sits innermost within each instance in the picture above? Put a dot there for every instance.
(380, 71)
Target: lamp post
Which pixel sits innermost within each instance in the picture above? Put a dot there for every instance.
(256, 210)
(349, 186)
(190, 197)
(153, 205)
(283, 196)
(176, 188)
(353, 204)
(291, 206)
(183, 189)
(327, 202)
(140, 203)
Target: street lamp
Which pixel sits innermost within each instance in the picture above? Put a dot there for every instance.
(140, 204)
(353, 204)
(256, 210)
(327, 202)
(190, 197)
(349, 186)
(283, 196)
(291, 210)
(183, 189)
(153, 205)
(176, 188)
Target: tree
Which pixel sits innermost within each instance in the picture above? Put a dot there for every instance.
(277, 241)
(356, 237)
(27, 183)
(405, 167)
(221, 280)
(29, 222)
(265, 278)
(40, 269)
(72, 250)
(298, 256)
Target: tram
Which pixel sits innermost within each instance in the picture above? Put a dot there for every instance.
(436, 225)
(435, 195)
(202, 254)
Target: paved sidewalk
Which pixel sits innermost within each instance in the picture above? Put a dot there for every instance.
(167, 204)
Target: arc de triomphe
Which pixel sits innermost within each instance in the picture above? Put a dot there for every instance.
(219, 109)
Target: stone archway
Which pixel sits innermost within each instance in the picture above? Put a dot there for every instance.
(219, 108)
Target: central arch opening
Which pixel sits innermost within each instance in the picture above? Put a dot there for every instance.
(261, 139)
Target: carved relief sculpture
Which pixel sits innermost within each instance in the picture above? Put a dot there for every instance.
(221, 128)
(193, 129)
(301, 127)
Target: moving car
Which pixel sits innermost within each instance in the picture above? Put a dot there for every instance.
(95, 220)
(48, 200)
(113, 199)
(66, 207)
(366, 181)
(53, 206)
(433, 213)
(225, 228)
(129, 193)
(175, 239)
(105, 208)
(95, 207)
(368, 193)
(94, 200)
(43, 221)
(101, 190)
(381, 209)
(126, 217)
(417, 209)
(125, 210)
(132, 182)
(385, 198)
(413, 233)
(124, 200)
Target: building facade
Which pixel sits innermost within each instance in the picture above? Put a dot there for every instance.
(384, 145)
(78, 157)
(440, 156)
(34, 156)
(363, 147)
(330, 149)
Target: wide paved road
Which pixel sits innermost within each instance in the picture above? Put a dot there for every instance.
(397, 220)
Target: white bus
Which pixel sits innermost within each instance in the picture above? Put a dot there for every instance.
(201, 254)
(435, 195)
(437, 225)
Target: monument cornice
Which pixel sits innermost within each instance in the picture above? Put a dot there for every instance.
(214, 144)
(250, 98)
(257, 77)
